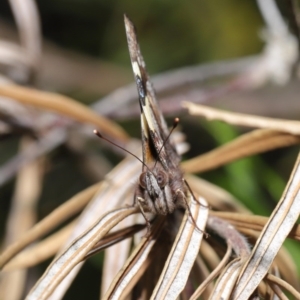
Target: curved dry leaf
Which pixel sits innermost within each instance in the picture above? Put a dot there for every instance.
(62, 265)
(257, 141)
(242, 220)
(226, 281)
(65, 106)
(274, 234)
(283, 284)
(135, 265)
(212, 275)
(115, 258)
(287, 267)
(183, 254)
(278, 293)
(41, 251)
(243, 223)
(22, 216)
(59, 215)
(116, 192)
(292, 127)
(114, 237)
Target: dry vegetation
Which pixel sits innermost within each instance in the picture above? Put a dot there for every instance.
(243, 254)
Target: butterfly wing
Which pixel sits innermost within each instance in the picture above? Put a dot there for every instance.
(154, 127)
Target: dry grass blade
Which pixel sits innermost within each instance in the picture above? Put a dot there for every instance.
(254, 222)
(66, 210)
(117, 190)
(115, 237)
(252, 225)
(255, 142)
(274, 234)
(283, 284)
(278, 292)
(183, 254)
(135, 265)
(117, 255)
(292, 127)
(212, 275)
(41, 251)
(62, 265)
(65, 106)
(243, 220)
(22, 216)
(226, 281)
(216, 196)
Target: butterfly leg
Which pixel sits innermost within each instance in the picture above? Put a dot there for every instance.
(181, 194)
(140, 202)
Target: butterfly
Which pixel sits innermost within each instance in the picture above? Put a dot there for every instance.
(161, 187)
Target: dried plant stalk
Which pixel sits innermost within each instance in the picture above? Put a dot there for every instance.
(252, 143)
(65, 106)
(292, 127)
(59, 215)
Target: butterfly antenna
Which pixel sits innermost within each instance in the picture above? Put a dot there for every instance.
(175, 123)
(96, 132)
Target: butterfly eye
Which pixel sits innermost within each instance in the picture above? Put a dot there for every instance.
(143, 180)
(161, 179)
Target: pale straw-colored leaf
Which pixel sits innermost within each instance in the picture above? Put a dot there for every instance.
(135, 265)
(257, 141)
(63, 105)
(226, 281)
(274, 234)
(183, 254)
(212, 275)
(292, 127)
(55, 218)
(61, 266)
(117, 192)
